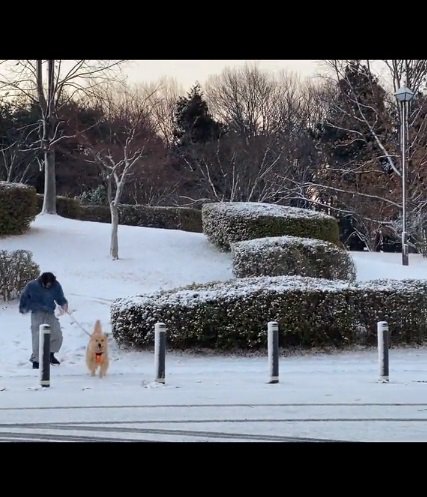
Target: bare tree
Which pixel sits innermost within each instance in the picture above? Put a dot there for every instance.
(126, 130)
(266, 140)
(411, 73)
(17, 163)
(17, 166)
(162, 97)
(51, 84)
(244, 98)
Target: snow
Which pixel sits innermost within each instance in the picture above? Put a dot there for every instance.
(6, 185)
(256, 209)
(388, 265)
(227, 290)
(206, 397)
(257, 244)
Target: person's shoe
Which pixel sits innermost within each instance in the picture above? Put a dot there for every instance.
(53, 359)
(35, 365)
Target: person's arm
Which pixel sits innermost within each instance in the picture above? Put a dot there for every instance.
(24, 301)
(60, 298)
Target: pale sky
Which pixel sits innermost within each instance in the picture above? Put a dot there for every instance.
(187, 72)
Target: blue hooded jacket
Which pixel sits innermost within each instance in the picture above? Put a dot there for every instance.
(36, 297)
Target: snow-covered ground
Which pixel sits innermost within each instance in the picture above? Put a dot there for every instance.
(320, 396)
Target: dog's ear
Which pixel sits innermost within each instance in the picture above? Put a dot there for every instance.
(97, 329)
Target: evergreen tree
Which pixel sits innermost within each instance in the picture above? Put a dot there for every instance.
(193, 123)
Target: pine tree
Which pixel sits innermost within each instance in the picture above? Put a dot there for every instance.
(193, 123)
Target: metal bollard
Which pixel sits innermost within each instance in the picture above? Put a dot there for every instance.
(383, 345)
(273, 351)
(44, 354)
(159, 351)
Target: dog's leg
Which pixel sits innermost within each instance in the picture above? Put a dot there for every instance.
(104, 366)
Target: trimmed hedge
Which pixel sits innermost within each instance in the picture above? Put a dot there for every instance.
(310, 311)
(225, 223)
(181, 218)
(65, 206)
(16, 269)
(189, 219)
(18, 207)
(96, 213)
(291, 255)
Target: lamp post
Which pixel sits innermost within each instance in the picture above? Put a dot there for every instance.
(404, 95)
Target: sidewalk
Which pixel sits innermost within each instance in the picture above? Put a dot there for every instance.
(325, 397)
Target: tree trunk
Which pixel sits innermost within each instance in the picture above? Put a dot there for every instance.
(114, 247)
(49, 201)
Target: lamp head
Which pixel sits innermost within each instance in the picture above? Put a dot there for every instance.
(404, 94)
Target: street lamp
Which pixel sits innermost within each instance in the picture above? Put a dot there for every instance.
(404, 95)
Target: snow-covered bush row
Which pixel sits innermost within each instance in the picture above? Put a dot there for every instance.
(181, 218)
(17, 268)
(227, 222)
(18, 207)
(310, 312)
(291, 255)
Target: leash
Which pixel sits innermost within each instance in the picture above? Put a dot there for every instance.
(77, 323)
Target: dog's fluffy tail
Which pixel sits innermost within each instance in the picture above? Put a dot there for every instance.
(98, 329)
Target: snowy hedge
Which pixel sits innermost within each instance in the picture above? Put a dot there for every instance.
(310, 312)
(291, 255)
(227, 222)
(18, 207)
(16, 269)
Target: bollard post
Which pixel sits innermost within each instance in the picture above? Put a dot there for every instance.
(159, 351)
(44, 355)
(383, 345)
(273, 351)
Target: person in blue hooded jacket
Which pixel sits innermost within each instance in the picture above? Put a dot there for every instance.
(40, 297)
